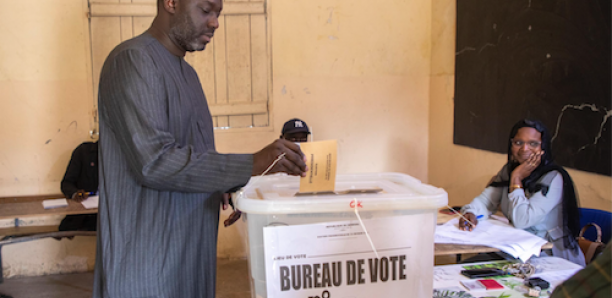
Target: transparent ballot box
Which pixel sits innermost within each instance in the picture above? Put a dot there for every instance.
(371, 237)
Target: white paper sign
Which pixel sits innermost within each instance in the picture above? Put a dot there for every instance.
(336, 260)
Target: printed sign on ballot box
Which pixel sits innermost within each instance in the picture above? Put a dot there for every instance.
(339, 260)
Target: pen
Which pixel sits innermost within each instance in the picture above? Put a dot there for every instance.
(91, 193)
(477, 218)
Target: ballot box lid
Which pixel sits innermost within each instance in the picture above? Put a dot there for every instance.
(279, 194)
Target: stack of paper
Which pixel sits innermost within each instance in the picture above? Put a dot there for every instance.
(494, 233)
(91, 202)
(54, 203)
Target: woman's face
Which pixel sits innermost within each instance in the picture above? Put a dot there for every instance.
(526, 142)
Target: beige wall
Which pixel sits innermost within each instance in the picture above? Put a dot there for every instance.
(361, 73)
(353, 72)
(46, 103)
(45, 112)
(463, 172)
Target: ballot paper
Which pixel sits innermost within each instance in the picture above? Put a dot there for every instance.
(321, 160)
(91, 202)
(515, 242)
(54, 203)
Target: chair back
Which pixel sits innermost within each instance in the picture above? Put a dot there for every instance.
(602, 218)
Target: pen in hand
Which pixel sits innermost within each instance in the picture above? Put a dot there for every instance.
(470, 221)
(82, 195)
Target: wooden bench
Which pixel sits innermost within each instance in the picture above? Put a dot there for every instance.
(18, 207)
(24, 234)
(15, 207)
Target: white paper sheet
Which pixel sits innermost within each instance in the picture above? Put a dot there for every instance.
(517, 243)
(54, 203)
(554, 270)
(91, 202)
(336, 259)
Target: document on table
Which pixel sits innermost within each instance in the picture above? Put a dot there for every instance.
(91, 202)
(554, 270)
(54, 203)
(494, 233)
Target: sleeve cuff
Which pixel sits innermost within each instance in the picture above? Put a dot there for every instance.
(517, 193)
(467, 209)
(241, 166)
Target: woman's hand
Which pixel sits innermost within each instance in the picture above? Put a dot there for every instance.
(465, 225)
(526, 168)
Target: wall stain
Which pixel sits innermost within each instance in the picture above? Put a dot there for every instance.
(76, 125)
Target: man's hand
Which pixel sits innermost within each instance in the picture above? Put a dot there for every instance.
(465, 225)
(234, 216)
(293, 163)
(225, 202)
(80, 196)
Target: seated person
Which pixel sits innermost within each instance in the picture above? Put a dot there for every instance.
(533, 192)
(295, 130)
(80, 180)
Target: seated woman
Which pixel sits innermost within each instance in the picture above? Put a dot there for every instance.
(533, 192)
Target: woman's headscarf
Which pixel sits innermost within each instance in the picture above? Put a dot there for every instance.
(571, 214)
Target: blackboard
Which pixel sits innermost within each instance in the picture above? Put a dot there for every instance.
(546, 60)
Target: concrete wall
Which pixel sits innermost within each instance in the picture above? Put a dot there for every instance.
(357, 72)
(45, 112)
(46, 105)
(376, 76)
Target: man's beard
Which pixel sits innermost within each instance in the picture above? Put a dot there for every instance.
(183, 33)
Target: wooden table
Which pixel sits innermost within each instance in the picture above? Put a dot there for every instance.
(442, 249)
(14, 207)
(552, 269)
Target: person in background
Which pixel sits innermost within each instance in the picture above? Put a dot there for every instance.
(81, 179)
(295, 130)
(533, 192)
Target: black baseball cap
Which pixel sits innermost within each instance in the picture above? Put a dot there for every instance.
(295, 125)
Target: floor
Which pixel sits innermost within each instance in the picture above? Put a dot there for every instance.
(232, 282)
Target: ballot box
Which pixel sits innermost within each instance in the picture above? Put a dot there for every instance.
(372, 237)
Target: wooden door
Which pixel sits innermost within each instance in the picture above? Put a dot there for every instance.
(234, 70)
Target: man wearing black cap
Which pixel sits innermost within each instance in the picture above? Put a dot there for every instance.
(295, 130)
